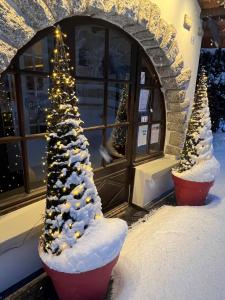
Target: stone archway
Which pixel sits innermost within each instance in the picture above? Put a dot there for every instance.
(21, 19)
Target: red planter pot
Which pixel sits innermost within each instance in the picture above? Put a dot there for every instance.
(191, 192)
(91, 285)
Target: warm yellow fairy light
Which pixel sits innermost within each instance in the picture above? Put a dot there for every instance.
(55, 50)
(58, 143)
(88, 199)
(64, 189)
(98, 216)
(77, 204)
(77, 234)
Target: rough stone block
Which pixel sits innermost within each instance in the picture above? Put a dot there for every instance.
(60, 9)
(179, 127)
(168, 37)
(35, 12)
(149, 43)
(172, 150)
(174, 96)
(155, 52)
(7, 52)
(172, 70)
(178, 106)
(142, 35)
(176, 117)
(177, 139)
(13, 28)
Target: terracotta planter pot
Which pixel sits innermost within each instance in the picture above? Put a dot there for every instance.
(91, 285)
(191, 192)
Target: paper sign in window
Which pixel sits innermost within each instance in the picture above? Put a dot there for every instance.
(155, 130)
(143, 100)
(144, 119)
(142, 135)
(142, 78)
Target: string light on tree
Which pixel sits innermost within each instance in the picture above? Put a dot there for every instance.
(70, 186)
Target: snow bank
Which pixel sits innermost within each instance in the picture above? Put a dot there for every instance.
(203, 171)
(99, 245)
(178, 252)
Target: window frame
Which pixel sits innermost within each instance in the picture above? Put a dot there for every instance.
(68, 25)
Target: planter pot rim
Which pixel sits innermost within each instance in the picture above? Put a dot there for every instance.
(183, 180)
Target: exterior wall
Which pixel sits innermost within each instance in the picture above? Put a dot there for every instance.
(173, 50)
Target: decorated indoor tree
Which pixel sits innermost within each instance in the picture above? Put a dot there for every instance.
(197, 163)
(117, 141)
(76, 237)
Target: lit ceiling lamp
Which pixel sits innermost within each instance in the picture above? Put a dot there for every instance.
(221, 3)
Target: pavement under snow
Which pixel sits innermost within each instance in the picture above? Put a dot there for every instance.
(178, 253)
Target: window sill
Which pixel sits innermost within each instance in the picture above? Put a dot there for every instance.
(20, 200)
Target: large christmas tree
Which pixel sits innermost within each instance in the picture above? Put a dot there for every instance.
(198, 143)
(72, 200)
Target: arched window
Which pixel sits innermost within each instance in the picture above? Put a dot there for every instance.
(119, 100)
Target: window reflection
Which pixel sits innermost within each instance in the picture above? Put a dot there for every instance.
(155, 145)
(8, 107)
(11, 168)
(90, 51)
(119, 56)
(116, 139)
(157, 105)
(91, 100)
(37, 57)
(36, 157)
(117, 103)
(35, 100)
(95, 140)
(142, 140)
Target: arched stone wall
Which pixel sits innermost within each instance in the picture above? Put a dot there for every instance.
(21, 19)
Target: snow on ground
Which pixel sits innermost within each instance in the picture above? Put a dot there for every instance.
(178, 253)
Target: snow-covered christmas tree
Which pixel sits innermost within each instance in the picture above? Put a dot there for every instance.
(197, 162)
(76, 237)
(72, 199)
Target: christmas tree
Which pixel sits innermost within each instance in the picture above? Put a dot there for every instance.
(198, 143)
(117, 142)
(72, 201)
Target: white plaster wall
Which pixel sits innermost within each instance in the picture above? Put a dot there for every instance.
(22, 259)
(189, 42)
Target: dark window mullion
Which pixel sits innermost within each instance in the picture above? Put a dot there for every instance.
(106, 64)
(21, 121)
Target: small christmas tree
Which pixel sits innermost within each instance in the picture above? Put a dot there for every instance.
(198, 144)
(72, 200)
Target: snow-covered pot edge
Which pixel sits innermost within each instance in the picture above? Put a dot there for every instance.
(191, 193)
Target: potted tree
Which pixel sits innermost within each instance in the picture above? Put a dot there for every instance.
(197, 167)
(78, 246)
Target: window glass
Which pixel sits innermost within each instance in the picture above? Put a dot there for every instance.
(95, 140)
(142, 140)
(155, 138)
(37, 57)
(11, 168)
(35, 101)
(8, 107)
(146, 78)
(157, 105)
(90, 51)
(117, 105)
(91, 99)
(116, 140)
(36, 150)
(144, 105)
(119, 56)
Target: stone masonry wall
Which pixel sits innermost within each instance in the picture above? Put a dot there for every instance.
(21, 19)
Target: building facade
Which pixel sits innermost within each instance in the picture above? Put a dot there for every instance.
(135, 64)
